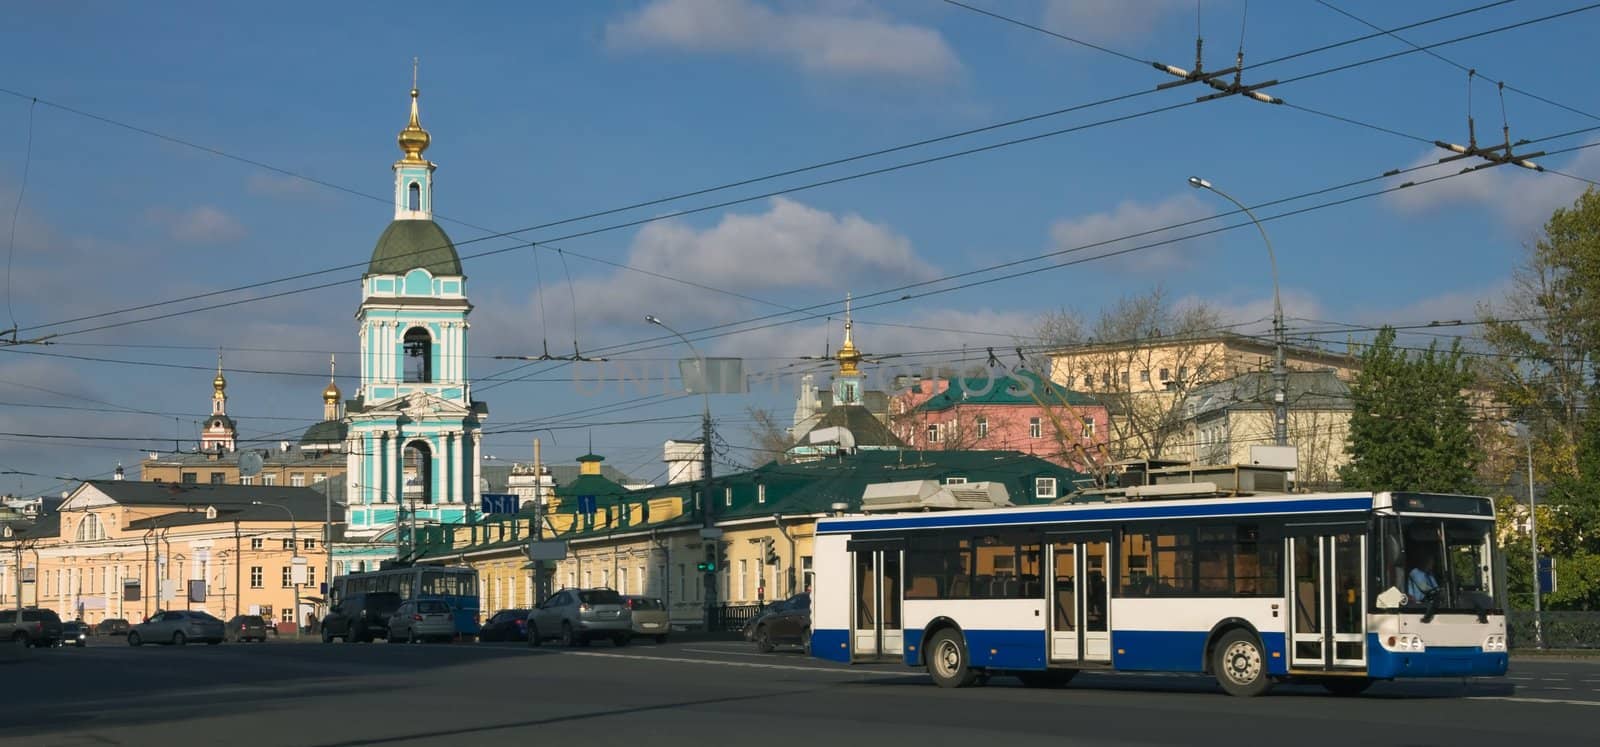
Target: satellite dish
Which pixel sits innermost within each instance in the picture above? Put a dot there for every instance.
(249, 463)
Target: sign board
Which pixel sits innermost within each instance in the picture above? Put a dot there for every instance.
(720, 376)
(297, 570)
(587, 505)
(197, 590)
(547, 549)
(710, 533)
(167, 590)
(499, 503)
(130, 591)
(1282, 457)
(1547, 575)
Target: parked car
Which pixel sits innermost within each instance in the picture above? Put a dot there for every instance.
(505, 625)
(39, 627)
(112, 626)
(360, 618)
(785, 622)
(421, 620)
(577, 616)
(177, 627)
(74, 633)
(245, 628)
(649, 617)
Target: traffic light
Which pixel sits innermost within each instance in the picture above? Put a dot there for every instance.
(710, 563)
(722, 556)
(769, 549)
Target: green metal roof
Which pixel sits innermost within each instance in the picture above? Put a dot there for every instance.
(1016, 388)
(325, 432)
(408, 244)
(863, 425)
(594, 485)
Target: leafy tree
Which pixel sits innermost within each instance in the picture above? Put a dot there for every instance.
(1411, 428)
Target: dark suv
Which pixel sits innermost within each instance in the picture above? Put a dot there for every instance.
(39, 627)
(359, 618)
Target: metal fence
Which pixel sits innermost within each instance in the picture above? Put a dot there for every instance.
(732, 618)
(1557, 629)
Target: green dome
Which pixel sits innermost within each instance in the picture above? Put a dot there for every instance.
(408, 244)
(325, 432)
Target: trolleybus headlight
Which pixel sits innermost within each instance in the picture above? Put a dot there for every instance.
(1495, 642)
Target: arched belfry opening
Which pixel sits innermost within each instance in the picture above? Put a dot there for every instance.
(414, 197)
(419, 356)
(417, 466)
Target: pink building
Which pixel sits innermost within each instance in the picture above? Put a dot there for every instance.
(1009, 411)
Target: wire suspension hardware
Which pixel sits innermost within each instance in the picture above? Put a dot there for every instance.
(1494, 155)
(1213, 78)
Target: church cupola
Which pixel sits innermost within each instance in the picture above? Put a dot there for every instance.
(219, 431)
(331, 395)
(413, 174)
(847, 384)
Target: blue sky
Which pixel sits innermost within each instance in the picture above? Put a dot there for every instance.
(542, 112)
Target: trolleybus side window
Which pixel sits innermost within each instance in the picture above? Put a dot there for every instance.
(1214, 560)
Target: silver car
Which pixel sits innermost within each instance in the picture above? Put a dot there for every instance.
(577, 616)
(177, 627)
(420, 620)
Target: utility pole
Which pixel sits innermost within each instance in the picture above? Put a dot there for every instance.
(1533, 541)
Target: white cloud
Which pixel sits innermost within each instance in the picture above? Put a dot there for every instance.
(1522, 200)
(789, 247)
(1134, 217)
(200, 225)
(838, 42)
(1106, 20)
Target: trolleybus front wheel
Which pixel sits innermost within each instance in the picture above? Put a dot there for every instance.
(1240, 665)
(948, 663)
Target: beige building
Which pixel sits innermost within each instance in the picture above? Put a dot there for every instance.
(1224, 420)
(124, 549)
(1147, 386)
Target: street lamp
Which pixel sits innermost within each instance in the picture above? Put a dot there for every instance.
(1280, 375)
(294, 543)
(1526, 431)
(705, 472)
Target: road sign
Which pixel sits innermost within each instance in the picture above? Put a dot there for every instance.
(588, 505)
(498, 503)
(547, 549)
(1547, 575)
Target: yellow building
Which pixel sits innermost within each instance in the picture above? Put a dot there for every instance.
(124, 549)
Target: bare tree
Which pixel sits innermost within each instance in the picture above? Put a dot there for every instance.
(770, 441)
(1141, 358)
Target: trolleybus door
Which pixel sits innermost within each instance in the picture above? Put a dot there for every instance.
(876, 627)
(1327, 584)
(1079, 601)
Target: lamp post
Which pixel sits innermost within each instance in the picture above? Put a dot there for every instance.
(294, 542)
(705, 473)
(1280, 374)
(1526, 431)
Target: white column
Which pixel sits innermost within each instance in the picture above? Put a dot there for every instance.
(456, 468)
(477, 465)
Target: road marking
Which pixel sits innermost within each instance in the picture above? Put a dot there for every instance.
(745, 664)
(1553, 701)
(721, 652)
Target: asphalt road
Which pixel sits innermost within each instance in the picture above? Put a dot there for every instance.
(712, 693)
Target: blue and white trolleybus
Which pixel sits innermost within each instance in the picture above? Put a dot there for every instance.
(457, 587)
(1339, 589)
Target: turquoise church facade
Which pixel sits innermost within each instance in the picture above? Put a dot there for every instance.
(414, 431)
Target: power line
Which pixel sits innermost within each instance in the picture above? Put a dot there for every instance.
(1057, 35)
(719, 205)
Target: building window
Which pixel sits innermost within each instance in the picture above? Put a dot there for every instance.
(256, 543)
(288, 545)
(1088, 426)
(419, 356)
(247, 479)
(983, 427)
(933, 433)
(269, 479)
(1124, 379)
(1044, 487)
(309, 544)
(761, 494)
(216, 478)
(1144, 376)
(297, 480)
(1166, 374)
(90, 529)
(190, 478)
(318, 477)
(1035, 428)
(955, 480)
(255, 577)
(1183, 373)
(288, 577)
(414, 197)
(1105, 380)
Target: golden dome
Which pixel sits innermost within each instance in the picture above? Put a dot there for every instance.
(848, 356)
(219, 383)
(413, 139)
(331, 394)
